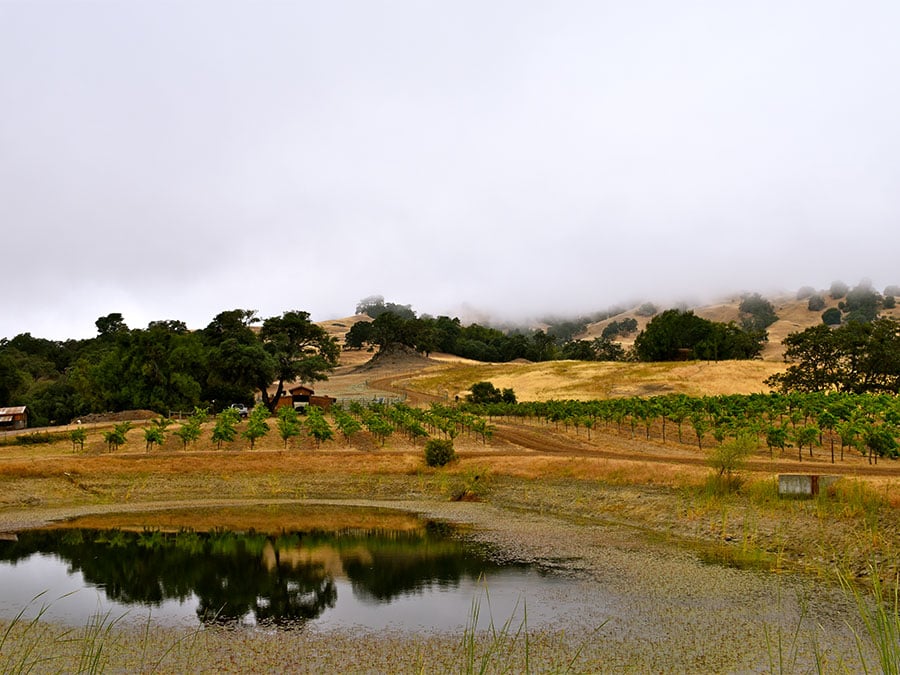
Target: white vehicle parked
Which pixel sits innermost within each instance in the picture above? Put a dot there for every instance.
(241, 408)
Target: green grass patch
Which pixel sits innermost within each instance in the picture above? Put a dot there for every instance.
(34, 438)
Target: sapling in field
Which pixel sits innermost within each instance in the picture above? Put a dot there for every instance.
(317, 426)
(776, 437)
(189, 431)
(346, 423)
(289, 424)
(155, 434)
(116, 437)
(257, 427)
(78, 437)
(804, 435)
(225, 428)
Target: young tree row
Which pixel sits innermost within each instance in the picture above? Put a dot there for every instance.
(868, 423)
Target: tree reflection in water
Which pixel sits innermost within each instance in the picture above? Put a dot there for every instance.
(285, 579)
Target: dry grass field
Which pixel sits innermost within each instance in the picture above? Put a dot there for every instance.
(585, 380)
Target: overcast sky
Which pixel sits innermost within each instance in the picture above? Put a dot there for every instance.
(172, 159)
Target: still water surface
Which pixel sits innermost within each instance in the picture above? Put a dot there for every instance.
(416, 578)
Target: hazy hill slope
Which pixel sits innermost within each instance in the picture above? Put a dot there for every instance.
(793, 316)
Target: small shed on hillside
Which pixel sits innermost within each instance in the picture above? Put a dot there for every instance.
(302, 396)
(13, 418)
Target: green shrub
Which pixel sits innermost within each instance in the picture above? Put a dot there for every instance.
(439, 452)
(816, 303)
(728, 458)
(34, 438)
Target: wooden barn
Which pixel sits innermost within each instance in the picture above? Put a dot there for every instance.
(302, 396)
(13, 418)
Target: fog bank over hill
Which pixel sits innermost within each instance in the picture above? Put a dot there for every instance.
(590, 307)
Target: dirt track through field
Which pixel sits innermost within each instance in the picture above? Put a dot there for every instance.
(412, 397)
(609, 446)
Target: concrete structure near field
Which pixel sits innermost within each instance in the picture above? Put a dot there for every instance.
(14, 418)
(803, 485)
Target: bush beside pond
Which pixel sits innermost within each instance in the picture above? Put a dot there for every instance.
(439, 452)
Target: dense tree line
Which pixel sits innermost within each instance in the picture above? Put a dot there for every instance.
(474, 341)
(676, 334)
(163, 367)
(620, 327)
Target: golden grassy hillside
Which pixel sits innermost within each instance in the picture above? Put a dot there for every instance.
(586, 380)
(793, 316)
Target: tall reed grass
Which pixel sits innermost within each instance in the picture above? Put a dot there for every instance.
(880, 614)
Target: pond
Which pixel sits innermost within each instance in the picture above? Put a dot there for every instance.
(287, 567)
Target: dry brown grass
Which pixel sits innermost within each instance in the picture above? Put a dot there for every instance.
(599, 380)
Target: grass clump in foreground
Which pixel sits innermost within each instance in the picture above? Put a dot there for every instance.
(508, 648)
(880, 615)
(27, 645)
(104, 644)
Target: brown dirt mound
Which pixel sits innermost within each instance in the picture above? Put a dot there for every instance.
(396, 357)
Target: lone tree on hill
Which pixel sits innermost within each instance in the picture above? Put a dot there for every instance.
(375, 305)
(757, 313)
(831, 317)
(360, 334)
(838, 290)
